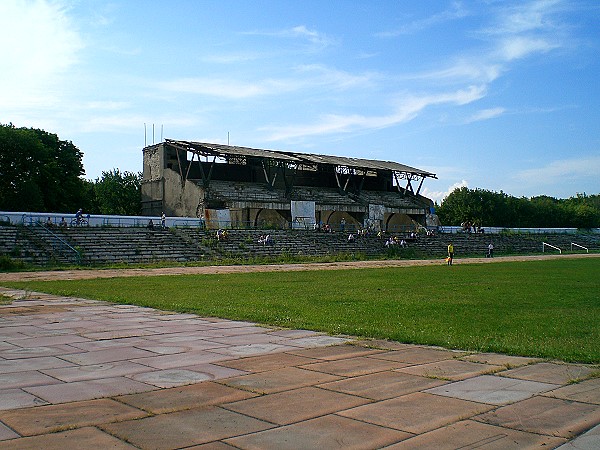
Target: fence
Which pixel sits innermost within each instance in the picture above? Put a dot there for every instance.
(31, 218)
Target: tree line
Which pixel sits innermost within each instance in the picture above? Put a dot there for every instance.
(41, 173)
(489, 208)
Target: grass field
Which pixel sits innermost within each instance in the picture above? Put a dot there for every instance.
(540, 308)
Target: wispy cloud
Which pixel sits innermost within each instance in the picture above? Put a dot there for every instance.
(302, 78)
(486, 114)
(565, 169)
(125, 122)
(522, 46)
(227, 88)
(301, 32)
(405, 110)
(527, 17)
(457, 11)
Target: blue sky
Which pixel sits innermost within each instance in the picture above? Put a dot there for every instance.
(499, 95)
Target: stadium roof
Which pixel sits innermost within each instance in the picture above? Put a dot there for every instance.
(224, 151)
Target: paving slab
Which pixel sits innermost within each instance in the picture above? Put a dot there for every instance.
(53, 418)
(107, 355)
(294, 406)
(361, 365)
(551, 372)
(176, 361)
(18, 398)
(184, 428)
(401, 413)
(218, 445)
(171, 377)
(110, 343)
(450, 369)
(89, 437)
(329, 432)
(587, 391)
(15, 352)
(419, 355)
(334, 352)
(318, 341)
(251, 349)
(185, 397)
(507, 361)
(590, 440)
(468, 434)
(278, 380)
(6, 433)
(48, 340)
(24, 379)
(37, 363)
(216, 371)
(88, 390)
(383, 385)
(544, 415)
(95, 371)
(492, 389)
(263, 363)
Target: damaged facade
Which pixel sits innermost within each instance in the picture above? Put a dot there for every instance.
(245, 187)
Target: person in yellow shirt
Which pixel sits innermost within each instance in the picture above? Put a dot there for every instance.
(450, 253)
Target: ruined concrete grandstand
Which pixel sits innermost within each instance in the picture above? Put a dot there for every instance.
(240, 187)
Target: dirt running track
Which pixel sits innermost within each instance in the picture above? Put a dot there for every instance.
(113, 273)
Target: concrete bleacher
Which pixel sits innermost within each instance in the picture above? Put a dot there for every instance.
(135, 245)
(390, 199)
(245, 243)
(129, 245)
(245, 191)
(95, 245)
(323, 196)
(22, 244)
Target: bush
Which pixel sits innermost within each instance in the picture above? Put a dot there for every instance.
(7, 263)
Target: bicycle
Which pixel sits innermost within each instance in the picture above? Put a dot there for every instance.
(80, 222)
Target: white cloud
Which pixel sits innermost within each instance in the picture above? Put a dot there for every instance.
(565, 169)
(438, 196)
(39, 43)
(456, 12)
(406, 109)
(486, 114)
(521, 46)
(465, 69)
(317, 39)
(126, 122)
(307, 77)
(227, 88)
(527, 17)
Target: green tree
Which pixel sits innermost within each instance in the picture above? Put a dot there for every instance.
(118, 193)
(501, 210)
(38, 171)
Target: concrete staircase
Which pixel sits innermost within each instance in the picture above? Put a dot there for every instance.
(31, 246)
(129, 245)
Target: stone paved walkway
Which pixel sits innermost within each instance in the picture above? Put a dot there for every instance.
(76, 373)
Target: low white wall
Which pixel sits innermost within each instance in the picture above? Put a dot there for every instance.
(96, 220)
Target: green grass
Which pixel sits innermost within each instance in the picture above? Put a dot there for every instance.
(545, 309)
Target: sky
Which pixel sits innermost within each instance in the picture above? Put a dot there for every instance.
(498, 95)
